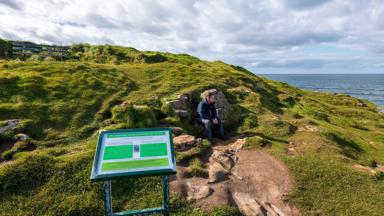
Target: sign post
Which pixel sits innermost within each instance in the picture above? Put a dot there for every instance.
(134, 152)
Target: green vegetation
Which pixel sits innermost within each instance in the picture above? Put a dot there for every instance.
(63, 104)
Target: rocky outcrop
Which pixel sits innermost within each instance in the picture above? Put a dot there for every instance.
(252, 180)
(222, 105)
(185, 142)
(185, 105)
(249, 206)
(9, 125)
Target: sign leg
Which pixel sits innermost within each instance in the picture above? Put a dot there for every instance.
(166, 195)
(107, 198)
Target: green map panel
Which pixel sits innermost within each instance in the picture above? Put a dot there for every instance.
(118, 152)
(153, 149)
(123, 165)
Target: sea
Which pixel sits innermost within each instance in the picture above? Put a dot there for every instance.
(364, 86)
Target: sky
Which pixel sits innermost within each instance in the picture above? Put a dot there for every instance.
(264, 36)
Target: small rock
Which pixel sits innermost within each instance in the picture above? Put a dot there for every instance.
(361, 104)
(309, 128)
(197, 192)
(184, 142)
(10, 125)
(380, 167)
(21, 137)
(365, 169)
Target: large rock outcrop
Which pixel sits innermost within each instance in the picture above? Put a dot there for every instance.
(185, 105)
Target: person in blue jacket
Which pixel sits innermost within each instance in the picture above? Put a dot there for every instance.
(207, 115)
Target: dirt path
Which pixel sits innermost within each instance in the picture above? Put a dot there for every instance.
(252, 180)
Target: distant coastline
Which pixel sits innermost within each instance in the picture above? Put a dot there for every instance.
(363, 86)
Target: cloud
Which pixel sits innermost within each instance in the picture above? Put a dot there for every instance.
(268, 35)
(302, 4)
(10, 3)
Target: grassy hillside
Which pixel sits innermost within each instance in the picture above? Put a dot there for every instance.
(62, 105)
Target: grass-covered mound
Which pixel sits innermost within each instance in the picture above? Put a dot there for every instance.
(62, 105)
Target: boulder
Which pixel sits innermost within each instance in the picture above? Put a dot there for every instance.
(224, 159)
(10, 125)
(222, 105)
(184, 142)
(177, 131)
(197, 192)
(183, 105)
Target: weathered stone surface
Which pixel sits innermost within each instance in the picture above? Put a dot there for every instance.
(10, 125)
(238, 145)
(216, 172)
(224, 159)
(177, 131)
(248, 205)
(365, 169)
(183, 113)
(21, 137)
(183, 106)
(197, 192)
(310, 128)
(361, 104)
(184, 142)
(222, 105)
(177, 104)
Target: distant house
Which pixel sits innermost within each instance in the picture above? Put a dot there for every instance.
(23, 49)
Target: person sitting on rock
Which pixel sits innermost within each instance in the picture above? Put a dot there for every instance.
(207, 115)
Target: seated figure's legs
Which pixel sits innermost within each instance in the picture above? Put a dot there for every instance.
(221, 128)
(207, 128)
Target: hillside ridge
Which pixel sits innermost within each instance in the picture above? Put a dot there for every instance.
(332, 144)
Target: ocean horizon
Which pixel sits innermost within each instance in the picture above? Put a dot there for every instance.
(363, 86)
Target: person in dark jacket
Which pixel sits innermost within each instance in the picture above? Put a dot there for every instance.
(207, 115)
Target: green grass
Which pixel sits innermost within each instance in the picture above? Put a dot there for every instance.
(62, 106)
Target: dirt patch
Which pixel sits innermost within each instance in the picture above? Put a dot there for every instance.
(252, 180)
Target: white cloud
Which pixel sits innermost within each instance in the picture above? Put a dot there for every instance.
(254, 34)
